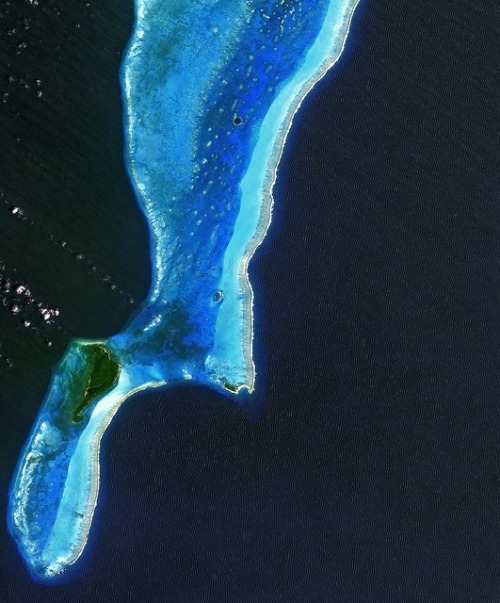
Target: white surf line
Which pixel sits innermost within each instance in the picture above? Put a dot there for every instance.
(257, 204)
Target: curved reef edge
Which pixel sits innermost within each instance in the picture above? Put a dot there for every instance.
(65, 538)
(70, 457)
(267, 155)
(91, 449)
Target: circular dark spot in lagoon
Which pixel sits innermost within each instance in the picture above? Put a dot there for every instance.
(237, 120)
(217, 297)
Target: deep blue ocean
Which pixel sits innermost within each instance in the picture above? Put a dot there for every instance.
(372, 473)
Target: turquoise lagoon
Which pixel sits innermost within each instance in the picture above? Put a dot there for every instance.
(210, 88)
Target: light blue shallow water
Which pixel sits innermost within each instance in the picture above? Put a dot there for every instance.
(210, 88)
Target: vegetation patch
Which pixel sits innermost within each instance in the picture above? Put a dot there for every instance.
(103, 373)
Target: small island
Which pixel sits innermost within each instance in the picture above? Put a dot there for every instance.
(102, 372)
(210, 89)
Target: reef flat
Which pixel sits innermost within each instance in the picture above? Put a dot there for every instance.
(210, 89)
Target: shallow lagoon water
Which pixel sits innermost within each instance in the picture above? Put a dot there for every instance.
(206, 127)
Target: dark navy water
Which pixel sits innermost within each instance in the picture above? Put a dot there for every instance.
(372, 473)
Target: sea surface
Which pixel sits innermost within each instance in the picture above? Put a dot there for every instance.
(371, 473)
